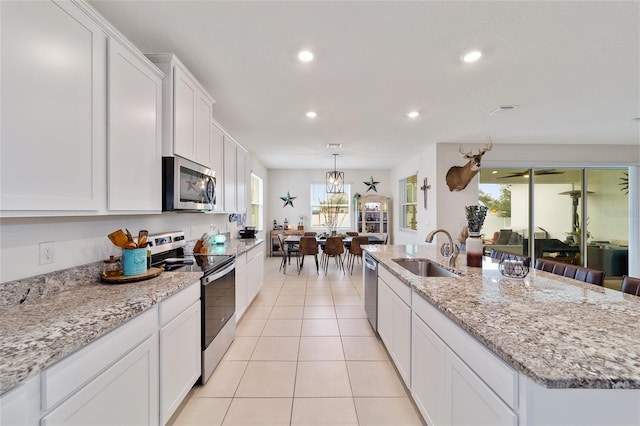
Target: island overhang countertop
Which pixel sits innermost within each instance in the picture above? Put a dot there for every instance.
(559, 332)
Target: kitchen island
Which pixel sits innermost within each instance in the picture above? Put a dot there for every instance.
(551, 350)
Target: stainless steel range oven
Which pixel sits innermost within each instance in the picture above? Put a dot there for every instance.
(217, 293)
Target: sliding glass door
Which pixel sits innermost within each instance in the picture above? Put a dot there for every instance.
(557, 200)
(566, 227)
(607, 221)
(505, 192)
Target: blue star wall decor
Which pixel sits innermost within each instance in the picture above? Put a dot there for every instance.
(372, 185)
(288, 200)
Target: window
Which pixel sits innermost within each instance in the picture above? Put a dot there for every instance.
(409, 202)
(330, 212)
(257, 218)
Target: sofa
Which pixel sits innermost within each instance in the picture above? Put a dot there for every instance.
(510, 241)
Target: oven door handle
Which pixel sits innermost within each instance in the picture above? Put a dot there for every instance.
(209, 279)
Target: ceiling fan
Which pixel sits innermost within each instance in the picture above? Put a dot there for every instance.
(536, 173)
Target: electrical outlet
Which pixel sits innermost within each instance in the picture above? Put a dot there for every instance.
(47, 253)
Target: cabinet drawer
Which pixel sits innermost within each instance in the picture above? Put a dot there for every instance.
(63, 378)
(498, 375)
(179, 302)
(401, 289)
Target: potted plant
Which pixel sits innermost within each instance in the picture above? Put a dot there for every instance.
(475, 219)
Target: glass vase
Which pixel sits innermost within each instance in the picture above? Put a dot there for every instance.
(474, 249)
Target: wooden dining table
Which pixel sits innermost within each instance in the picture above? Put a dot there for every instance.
(293, 240)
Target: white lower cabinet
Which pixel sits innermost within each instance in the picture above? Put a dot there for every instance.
(249, 277)
(137, 374)
(256, 273)
(445, 388)
(428, 372)
(180, 352)
(124, 394)
(21, 405)
(242, 286)
(469, 401)
(394, 322)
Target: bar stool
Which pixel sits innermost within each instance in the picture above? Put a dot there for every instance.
(630, 285)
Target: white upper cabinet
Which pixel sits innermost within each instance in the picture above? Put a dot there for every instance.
(81, 115)
(135, 143)
(234, 176)
(204, 112)
(53, 104)
(229, 192)
(184, 114)
(188, 110)
(216, 159)
(241, 179)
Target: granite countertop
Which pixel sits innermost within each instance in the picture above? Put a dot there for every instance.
(559, 332)
(45, 318)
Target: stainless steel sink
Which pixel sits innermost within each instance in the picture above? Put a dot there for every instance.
(425, 268)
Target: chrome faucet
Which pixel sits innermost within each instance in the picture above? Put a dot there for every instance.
(454, 247)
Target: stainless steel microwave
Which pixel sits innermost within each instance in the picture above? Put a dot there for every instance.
(187, 185)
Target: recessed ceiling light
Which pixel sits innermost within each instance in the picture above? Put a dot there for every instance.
(495, 172)
(311, 114)
(472, 56)
(334, 145)
(413, 114)
(305, 56)
(502, 109)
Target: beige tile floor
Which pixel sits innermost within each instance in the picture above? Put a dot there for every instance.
(304, 354)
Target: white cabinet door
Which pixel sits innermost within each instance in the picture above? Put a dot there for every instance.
(229, 193)
(180, 359)
(216, 160)
(401, 337)
(256, 274)
(241, 180)
(384, 313)
(428, 372)
(53, 122)
(135, 144)
(470, 401)
(394, 325)
(242, 286)
(204, 112)
(21, 405)
(184, 113)
(125, 394)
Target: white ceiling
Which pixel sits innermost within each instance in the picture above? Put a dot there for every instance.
(572, 68)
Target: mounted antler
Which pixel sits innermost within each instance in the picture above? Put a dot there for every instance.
(459, 177)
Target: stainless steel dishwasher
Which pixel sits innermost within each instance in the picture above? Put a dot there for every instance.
(371, 290)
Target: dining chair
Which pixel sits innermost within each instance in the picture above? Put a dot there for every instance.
(630, 285)
(308, 246)
(352, 234)
(287, 251)
(355, 250)
(310, 234)
(283, 249)
(333, 247)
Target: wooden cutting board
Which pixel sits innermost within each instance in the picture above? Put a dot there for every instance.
(123, 279)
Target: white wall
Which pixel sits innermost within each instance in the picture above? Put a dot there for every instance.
(446, 209)
(82, 240)
(298, 184)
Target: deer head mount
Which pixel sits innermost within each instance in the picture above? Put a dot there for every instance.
(459, 177)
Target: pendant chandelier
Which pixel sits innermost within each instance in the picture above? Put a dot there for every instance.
(335, 179)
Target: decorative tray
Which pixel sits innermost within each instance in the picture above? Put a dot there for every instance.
(123, 279)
